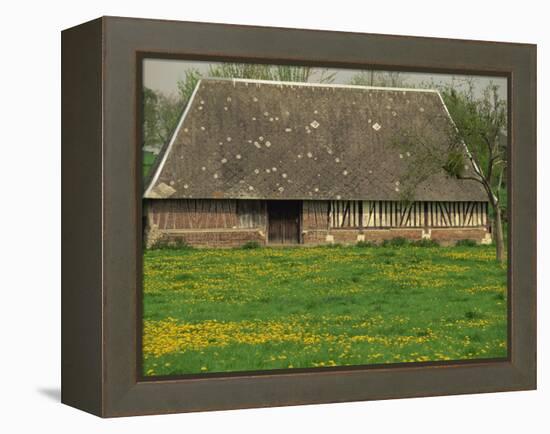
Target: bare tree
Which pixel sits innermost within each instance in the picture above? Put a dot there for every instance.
(474, 136)
(271, 72)
(480, 125)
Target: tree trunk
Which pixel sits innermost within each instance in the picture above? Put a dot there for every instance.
(499, 238)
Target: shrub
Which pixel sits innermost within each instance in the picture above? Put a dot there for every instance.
(365, 244)
(425, 243)
(466, 243)
(251, 245)
(334, 245)
(395, 242)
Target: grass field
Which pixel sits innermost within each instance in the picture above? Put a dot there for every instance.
(221, 310)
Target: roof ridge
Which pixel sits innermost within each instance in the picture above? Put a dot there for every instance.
(329, 85)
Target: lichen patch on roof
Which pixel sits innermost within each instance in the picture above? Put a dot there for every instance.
(332, 141)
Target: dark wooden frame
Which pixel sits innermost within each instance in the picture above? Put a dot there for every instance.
(101, 211)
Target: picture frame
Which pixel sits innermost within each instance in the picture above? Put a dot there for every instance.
(101, 216)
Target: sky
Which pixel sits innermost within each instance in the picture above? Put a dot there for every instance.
(162, 75)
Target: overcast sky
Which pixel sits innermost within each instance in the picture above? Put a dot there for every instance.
(162, 75)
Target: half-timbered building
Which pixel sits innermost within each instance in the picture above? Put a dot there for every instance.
(300, 163)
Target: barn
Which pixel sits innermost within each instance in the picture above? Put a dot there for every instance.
(300, 163)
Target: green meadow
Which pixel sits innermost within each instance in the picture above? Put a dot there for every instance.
(221, 310)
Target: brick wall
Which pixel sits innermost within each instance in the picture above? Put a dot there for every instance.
(455, 234)
(352, 236)
(345, 236)
(314, 237)
(236, 238)
(388, 234)
(229, 238)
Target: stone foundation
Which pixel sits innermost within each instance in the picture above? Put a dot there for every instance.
(238, 237)
(214, 237)
(444, 236)
(452, 235)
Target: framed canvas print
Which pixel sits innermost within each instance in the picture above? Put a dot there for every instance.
(260, 217)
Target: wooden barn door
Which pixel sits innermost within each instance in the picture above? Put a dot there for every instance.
(283, 221)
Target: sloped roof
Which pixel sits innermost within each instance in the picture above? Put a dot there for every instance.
(255, 139)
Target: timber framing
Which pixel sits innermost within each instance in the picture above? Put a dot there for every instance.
(231, 223)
